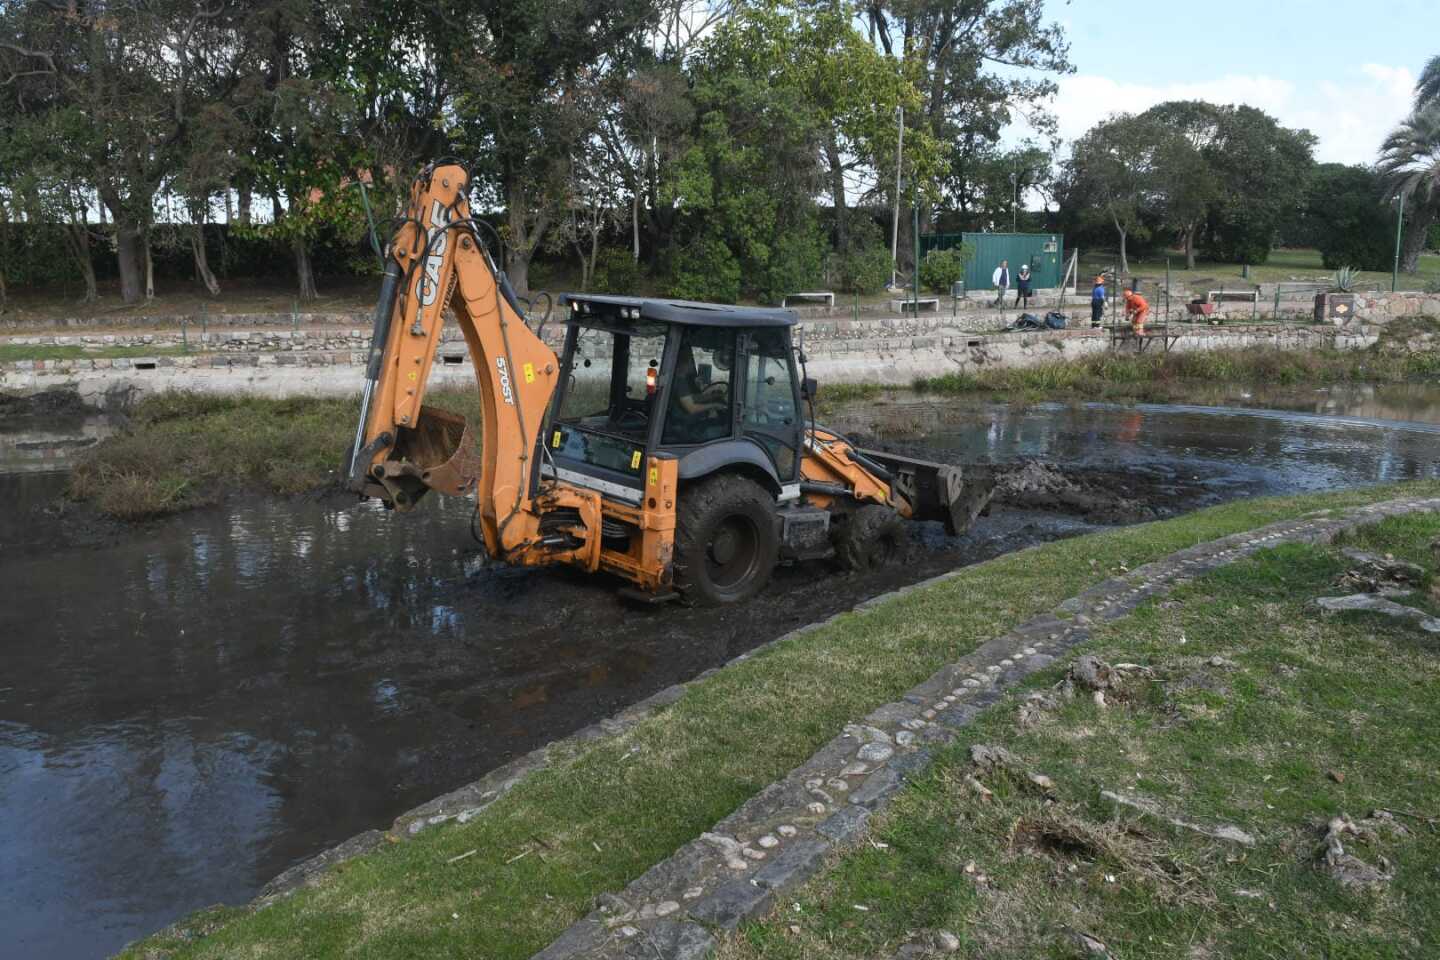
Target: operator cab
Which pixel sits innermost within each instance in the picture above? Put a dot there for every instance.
(710, 385)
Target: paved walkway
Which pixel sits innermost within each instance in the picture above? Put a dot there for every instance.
(781, 836)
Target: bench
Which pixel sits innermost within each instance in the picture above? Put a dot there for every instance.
(1233, 296)
(825, 295)
(913, 305)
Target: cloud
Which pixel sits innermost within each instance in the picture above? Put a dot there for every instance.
(1350, 114)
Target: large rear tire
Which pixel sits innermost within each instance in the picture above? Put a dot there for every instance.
(726, 545)
(870, 538)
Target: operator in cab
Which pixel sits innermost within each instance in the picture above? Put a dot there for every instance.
(700, 403)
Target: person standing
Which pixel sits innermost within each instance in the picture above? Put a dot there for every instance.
(1001, 279)
(1023, 284)
(1097, 302)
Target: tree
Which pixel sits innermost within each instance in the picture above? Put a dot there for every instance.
(1186, 182)
(992, 196)
(46, 188)
(1111, 175)
(1262, 168)
(1410, 165)
(129, 72)
(1345, 221)
(977, 63)
(521, 108)
(788, 100)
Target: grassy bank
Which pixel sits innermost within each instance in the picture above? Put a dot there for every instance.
(1257, 712)
(1284, 265)
(10, 352)
(593, 821)
(182, 450)
(1161, 376)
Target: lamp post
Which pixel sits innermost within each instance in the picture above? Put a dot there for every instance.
(895, 228)
(1399, 223)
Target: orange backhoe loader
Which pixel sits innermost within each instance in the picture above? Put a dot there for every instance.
(667, 445)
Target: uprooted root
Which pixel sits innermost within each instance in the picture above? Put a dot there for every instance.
(1344, 867)
(1088, 676)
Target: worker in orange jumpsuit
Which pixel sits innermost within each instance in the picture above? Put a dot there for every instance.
(1137, 308)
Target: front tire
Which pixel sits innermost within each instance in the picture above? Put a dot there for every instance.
(726, 545)
(871, 538)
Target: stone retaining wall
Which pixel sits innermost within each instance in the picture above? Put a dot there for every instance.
(329, 362)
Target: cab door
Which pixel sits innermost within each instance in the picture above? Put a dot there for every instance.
(769, 403)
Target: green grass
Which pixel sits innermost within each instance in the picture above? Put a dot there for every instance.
(1317, 717)
(1284, 265)
(1159, 376)
(10, 352)
(596, 819)
(182, 450)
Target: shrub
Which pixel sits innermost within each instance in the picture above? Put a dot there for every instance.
(796, 263)
(862, 270)
(705, 269)
(616, 271)
(942, 268)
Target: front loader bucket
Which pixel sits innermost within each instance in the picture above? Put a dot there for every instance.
(439, 453)
(953, 495)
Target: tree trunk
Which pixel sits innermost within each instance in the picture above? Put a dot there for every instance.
(594, 256)
(304, 271)
(524, 238)
(1190, 247)
(202, 262)
(517, 270)
(1124, 260)
(243, 205)
(149, 266)
(635, 225)
(837, 191)
(1413, 243)
(131, 260)
(77, 241)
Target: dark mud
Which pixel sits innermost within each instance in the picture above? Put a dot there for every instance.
(49, 403)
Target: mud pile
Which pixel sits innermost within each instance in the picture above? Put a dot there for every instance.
(1100, 495)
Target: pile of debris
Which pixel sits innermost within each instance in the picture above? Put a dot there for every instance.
(1089, 676)
(1344, 867)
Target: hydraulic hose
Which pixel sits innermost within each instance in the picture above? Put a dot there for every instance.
(379, 336)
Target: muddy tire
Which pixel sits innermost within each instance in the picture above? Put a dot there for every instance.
(726, 545)
(870, 538)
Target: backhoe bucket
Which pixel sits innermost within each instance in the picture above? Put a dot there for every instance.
(953, 495)
(439, 453)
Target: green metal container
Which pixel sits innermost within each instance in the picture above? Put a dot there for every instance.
(1045, 252)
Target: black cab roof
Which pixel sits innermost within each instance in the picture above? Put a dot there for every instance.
(588, 307)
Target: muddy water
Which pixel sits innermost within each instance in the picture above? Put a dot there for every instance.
(190, 707)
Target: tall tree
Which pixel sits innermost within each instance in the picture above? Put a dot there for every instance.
(128, 69)
(1410, 167)
(1186, 183)
(1262, 168)
(1111, 175)
(982, 64)
(520, 108)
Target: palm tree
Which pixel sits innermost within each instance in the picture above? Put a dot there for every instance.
(1410, 167)
(1427, 88)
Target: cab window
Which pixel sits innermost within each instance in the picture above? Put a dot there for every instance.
(769, 414)
(702, 393)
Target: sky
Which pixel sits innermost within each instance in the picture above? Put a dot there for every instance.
(1344, 71)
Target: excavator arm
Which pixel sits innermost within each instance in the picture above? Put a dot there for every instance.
(404, 448)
